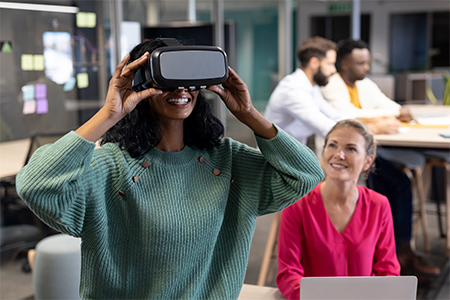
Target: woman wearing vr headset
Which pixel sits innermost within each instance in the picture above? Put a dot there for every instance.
(166, 208)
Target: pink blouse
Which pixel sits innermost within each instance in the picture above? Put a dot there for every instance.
(310, 245)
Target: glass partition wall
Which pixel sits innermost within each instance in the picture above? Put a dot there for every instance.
(56, 56)
(53, 74)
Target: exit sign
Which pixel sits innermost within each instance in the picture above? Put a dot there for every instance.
(339, 8)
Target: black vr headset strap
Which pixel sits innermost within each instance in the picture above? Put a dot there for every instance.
(140, 77)
(169, 41)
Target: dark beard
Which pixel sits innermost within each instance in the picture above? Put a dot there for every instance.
(320, 78)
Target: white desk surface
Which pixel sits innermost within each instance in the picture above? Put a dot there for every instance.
(12, 157)
(423, 137)
(254, 292)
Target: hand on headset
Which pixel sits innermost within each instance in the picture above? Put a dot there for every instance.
(234, 94)
(237, 98)
(121, 99)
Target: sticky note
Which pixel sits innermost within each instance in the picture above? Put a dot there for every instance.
(28, 92)
(29, 107)
(27, 62)
(40, 91)
(82, 80)
(41, 106)
(81, 19)
(86, 19)
(38, 62)
(6, 47)
(91, 19)
(70, 84)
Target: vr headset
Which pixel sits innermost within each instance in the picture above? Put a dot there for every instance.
(182, 67)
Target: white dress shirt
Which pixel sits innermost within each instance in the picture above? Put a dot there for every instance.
(299, 108)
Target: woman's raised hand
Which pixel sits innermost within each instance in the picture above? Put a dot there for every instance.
(237, 98)
(235, 95)
(121, 99)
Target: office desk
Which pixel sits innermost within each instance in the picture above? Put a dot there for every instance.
(12, 157)
(420, 136)
(254, 292)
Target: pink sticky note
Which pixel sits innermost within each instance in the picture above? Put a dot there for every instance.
(41, 106)
(29, 107)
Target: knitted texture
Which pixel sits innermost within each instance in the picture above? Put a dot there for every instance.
(167, 225)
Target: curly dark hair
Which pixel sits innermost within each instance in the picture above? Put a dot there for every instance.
(345, 49)
(140, 130)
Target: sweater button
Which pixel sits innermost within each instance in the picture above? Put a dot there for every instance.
(135, 179)
(121, 194)
(216, 172)
(201, 159)
(145, 164)
(232, 180)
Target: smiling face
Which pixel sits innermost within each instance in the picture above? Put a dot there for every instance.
(344, 155)
(174, 105)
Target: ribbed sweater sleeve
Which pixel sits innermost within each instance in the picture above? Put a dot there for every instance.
(54, 180)
(286, 171)
(296, 171)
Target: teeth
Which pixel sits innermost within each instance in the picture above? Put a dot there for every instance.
(178, 100)
(338, 166)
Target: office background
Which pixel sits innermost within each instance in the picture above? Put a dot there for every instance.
(56, 59)
(55, 65)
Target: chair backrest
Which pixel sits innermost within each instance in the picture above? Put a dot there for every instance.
(386, 83)
(40, 139)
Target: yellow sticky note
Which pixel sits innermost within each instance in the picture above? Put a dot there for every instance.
(82, 80)
(91, 20)
(81, 19)
(27, 62)
(39, 62)
(85, 19)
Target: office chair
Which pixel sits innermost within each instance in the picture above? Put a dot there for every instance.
(270, 253)
(441, 159)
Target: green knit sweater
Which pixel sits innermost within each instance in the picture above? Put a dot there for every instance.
(167, 225)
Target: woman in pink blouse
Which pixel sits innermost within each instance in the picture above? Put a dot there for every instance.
(339, 228)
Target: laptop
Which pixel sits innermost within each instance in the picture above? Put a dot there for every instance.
(361, 288)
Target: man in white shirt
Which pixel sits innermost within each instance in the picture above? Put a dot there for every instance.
(350, 90)
(296, 104)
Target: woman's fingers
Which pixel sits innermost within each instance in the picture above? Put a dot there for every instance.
(233, 79)
(120, 66)
(131, 68)
(148, 93)
(217, 89)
